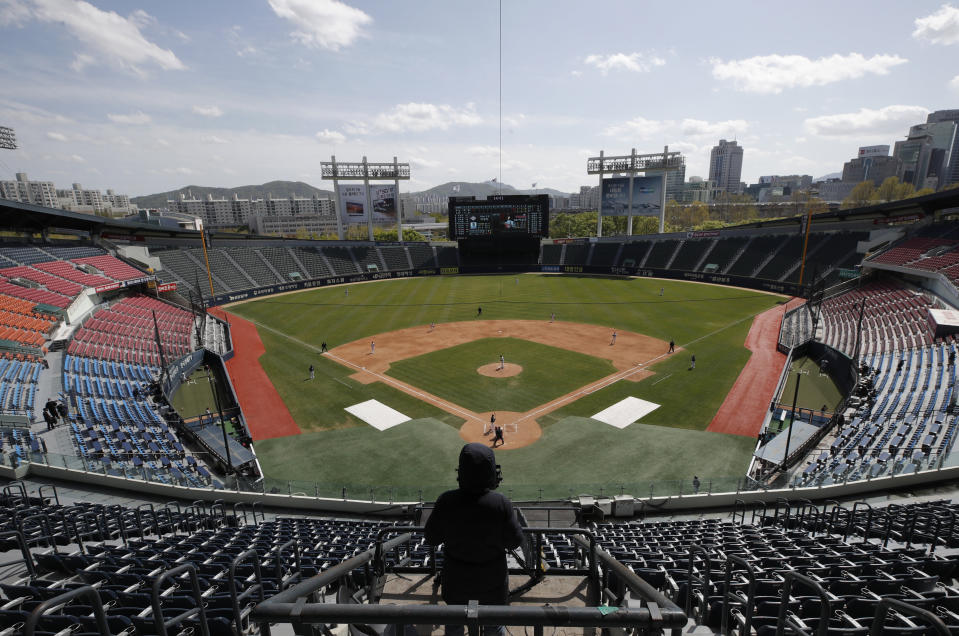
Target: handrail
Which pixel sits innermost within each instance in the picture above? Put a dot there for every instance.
(200, 610)
(727, 595)
(24, 550)
(884, 605)
(704, 580)
(824, 601)
(635, 583)
(87, 591)
(255, 588)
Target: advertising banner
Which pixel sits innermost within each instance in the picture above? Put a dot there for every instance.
(647, 196)
(384, 202)
(353, 203)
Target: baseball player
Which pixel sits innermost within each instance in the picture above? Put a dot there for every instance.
(613, 340)
(372, 346)
(502, 362)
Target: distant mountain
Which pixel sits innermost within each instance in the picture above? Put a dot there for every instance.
(283, 189)
(279, 189)
(827, 177)
(483, 190)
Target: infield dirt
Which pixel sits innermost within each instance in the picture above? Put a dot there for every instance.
(630, 354)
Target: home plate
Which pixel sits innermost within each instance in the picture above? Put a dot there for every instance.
(625, 412)
(377, 414)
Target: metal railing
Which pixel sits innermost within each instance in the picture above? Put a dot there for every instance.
(644, 608)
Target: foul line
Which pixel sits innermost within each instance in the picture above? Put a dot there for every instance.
(406, 388)
(549, 406)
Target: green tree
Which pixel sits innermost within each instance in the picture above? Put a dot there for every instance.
(892, 189)
(923, 192)
(862, 194)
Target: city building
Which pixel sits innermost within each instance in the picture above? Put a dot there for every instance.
(310, 225)
(235, 212)
(675, 181)
(25, 191)
(75, 199)
(950, 173)
(834, 190)
(726, 166)
(873, 163)
(698, 190)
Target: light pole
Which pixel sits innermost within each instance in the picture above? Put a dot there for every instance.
(226, 443)
(792, 418)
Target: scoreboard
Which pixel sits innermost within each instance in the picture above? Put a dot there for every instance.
(499, 216)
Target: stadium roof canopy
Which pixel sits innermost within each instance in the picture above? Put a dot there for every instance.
(27, 217)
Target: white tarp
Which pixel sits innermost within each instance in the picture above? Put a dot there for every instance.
(377, 414)
(625, 412)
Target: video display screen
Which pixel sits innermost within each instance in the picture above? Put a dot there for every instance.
(499, 216)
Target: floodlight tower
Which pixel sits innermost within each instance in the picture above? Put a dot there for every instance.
(366, 172)
(631, 165)
(8, 140)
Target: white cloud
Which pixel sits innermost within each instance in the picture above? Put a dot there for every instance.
(635, 62)
(208, 111)
(483, 151)
(56, 136)
(890, 119)
(327, 24)
(138, 118)
(213, 139)
(106, 36)
(639, 126)
(954, 83)
(331, 136)
(576, 73)
(356, 128)
(419, 117)
(13, 13)
(76, 159)
(162, 142)
(700, 128)
(773, 73)
(420, 162)
(941, 27)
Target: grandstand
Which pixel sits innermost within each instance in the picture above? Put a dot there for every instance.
(85, 320)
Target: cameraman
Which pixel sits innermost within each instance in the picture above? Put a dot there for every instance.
(476, 526)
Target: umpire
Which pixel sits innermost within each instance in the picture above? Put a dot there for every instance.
(476, 526)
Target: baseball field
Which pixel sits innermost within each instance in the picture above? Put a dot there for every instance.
(429, 349)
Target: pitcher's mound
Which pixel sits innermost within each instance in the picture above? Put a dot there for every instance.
(493, 370)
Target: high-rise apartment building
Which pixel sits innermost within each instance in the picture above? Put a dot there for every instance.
(726, 165)
(25, 191)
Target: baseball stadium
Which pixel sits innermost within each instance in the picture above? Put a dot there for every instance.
(784, 388)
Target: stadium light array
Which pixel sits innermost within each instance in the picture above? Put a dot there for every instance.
(8, 140)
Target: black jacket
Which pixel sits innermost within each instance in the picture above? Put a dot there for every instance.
(475, 526)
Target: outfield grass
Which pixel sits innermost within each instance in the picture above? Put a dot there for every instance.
(671, 442)
(193, 398)
(814, 389)
(548, 373)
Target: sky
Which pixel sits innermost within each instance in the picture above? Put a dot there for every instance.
(145, 96)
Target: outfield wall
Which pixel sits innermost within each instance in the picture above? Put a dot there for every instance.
(790, 289)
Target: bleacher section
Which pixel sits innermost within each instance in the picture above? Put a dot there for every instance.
(254, 267)
(895, 318)
(552, 254)
(723, 572)
(757, 250)
(20, 324)
(18, 385)
(634, 253)
(604, 254)
(660, 253)
(421, 254)
(905, 427)
(20, 443)
(395, 258)
(340, 260)
(125, 332)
